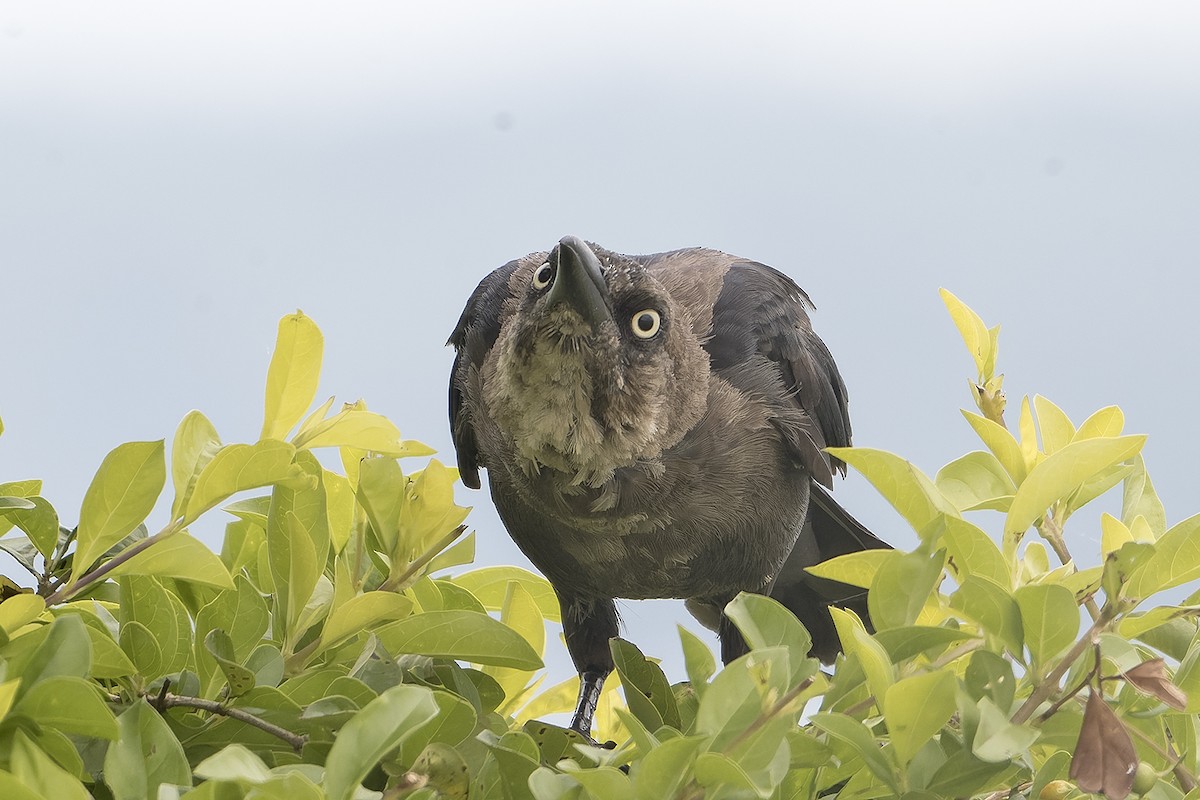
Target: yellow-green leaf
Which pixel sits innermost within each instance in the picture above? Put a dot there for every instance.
(1029, 445)
(1063, 472)
(361, 612)
(974, 333)
(1113, 534)
(856, 569)
(974, 553)
(876, 664)
(361, 429)
(68, 704)
(293, 374)
(1002, 444)
(976, 481)
(179, 556)
(196, 442)
(1056, 427)
(1049, 619)
(900, 482)
(19, 610)
(1108, 421)
(1176, 561)
(490, 586)
(916, 708)
(119, 498)
(465, 635)
(237, 467)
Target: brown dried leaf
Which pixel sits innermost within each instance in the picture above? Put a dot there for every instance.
(1150, 677)
(1104, 759)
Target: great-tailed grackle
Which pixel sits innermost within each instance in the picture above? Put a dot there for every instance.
(653, 426)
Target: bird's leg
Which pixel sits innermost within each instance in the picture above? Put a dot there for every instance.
(588, 624)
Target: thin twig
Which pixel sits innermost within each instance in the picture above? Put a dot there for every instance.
(296, 740)
(1049, 684)
(1052, 532)
(1060, 702)
(77, 586)
(392, 585)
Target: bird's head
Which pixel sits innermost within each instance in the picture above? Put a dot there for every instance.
(596, 366)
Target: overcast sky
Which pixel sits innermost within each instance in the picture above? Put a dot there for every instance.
(175, 177)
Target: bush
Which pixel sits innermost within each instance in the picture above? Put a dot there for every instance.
(325, 652)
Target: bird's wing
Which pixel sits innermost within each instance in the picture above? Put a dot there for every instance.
(761, 332)
(473, 337)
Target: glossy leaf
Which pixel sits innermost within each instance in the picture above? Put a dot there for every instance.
(463, 635)
(1139, 499)
(1003, 445)
(856, 569)
(238, 467)
(68, 704)
(145, 756)
(376, 730)
(1176, 561)
(120, 497)
(39, 773)
(996, 738)
(976, 481)
(490, 585)
(360, 613)
(1061, 473)
(860, 738)
(293, 374)
(39, 522)
(903, 485)
(870, 653)
(1056, 427)
(993, 608)
(647, 692)
(764, 622)
(178, 556)
(973, 552)
(1049, 619)
(196, 442)
(65, 651)
(974, 333)
(916, 708)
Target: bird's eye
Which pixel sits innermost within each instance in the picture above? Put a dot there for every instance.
(645, 324)
(543, 277)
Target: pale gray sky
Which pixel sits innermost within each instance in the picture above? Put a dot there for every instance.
(175, 177)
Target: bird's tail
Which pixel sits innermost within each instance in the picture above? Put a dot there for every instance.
(829, 531)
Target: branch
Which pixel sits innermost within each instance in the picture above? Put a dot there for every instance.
(296, 740)
(1052, 531)
(394, 584)
(1049, 684)
(77, 586)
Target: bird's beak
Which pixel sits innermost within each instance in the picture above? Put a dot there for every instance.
(578, 282)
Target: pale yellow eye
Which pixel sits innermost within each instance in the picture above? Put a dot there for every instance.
(645, 323)
(544, 276)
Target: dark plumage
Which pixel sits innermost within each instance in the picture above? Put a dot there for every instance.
(653, 426)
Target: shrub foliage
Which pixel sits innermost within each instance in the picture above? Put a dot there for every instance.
(338, 647)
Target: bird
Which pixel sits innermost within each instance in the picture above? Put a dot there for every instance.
(655, 427)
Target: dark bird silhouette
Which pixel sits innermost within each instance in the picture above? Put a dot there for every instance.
(653, 426)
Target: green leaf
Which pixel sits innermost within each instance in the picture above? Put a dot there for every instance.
(521, 614)
(856, 569)
(1060, 474)
(916, 708)
(382, 492)
(766, 623)
(647, 692)
(901, 587)
(490, 585)
(904, 643)
(145, 756)
(1002, 444)
(39, 521)
(1108, 421)
(362, 430)
(997, 739)
(1140, 500)
(9, 504)
(66, 651)
(697, 659)
(993, 608)
(870, 653)
(293, 374)
(119, 498)
(196, 442)
(38, 772)
(662, 772)
(374, 732)
(13, 788)
(178, 556)
(156, 632)
(740, 693)
(1056, 427)
(238, 467)
(1049, 619)
(973, 552)
(360, 613)
(976, 481)
(1176, 561)
(860, 738)
(69, 704)
(239, 679)
(974, 333)
(234, 763)
(297, 544)
(901, 484)
(19, 610)
(463, 635)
